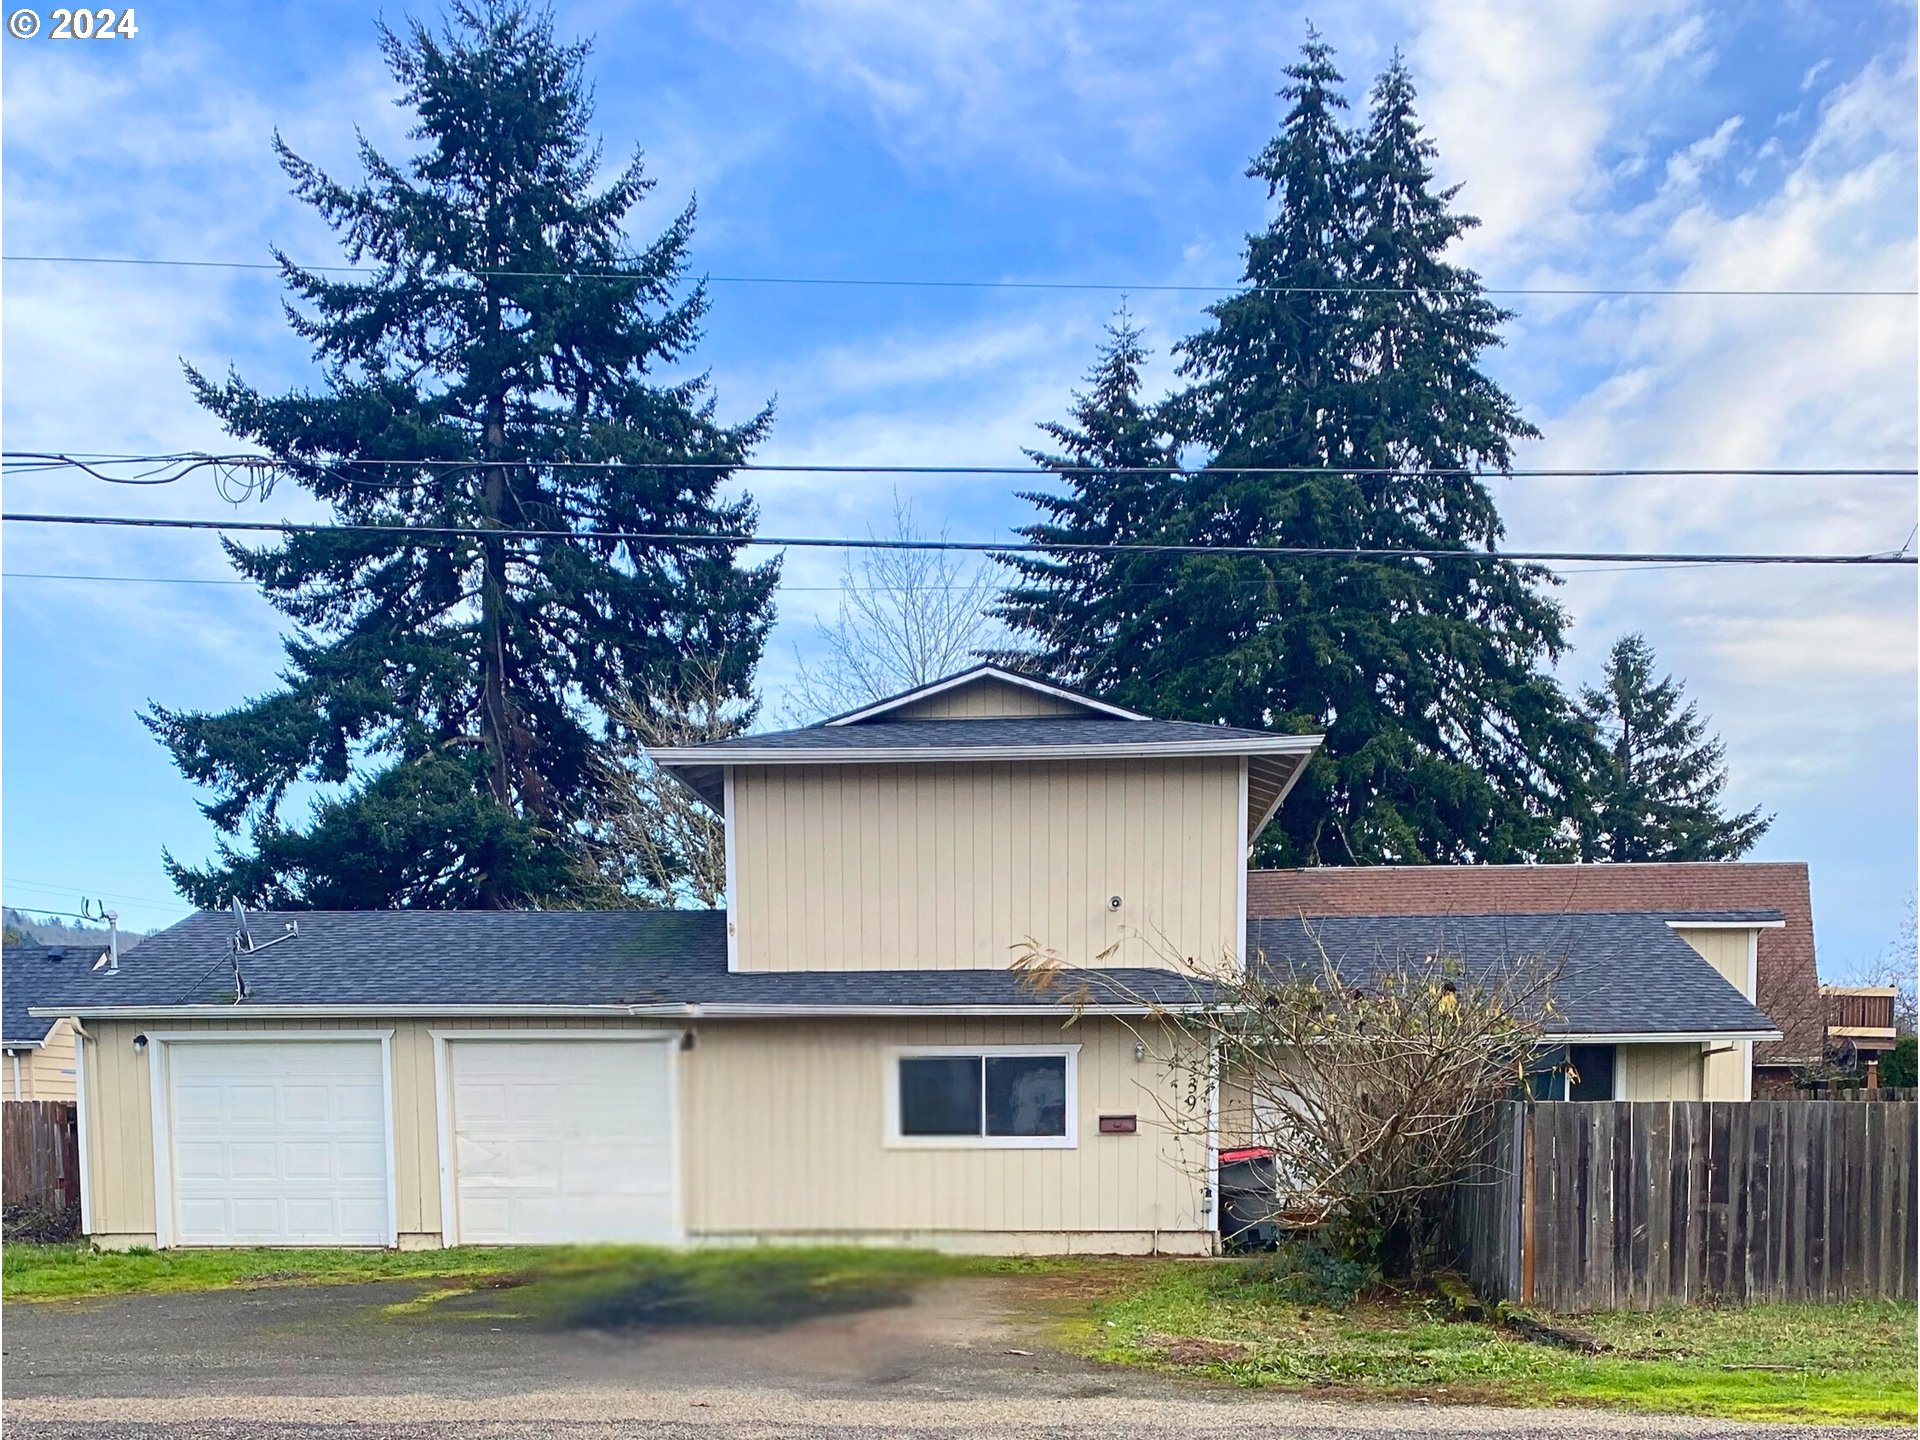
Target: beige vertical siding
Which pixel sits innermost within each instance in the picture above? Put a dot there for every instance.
(985, 700)
(786, 1126)
(866, 867)
(780, 1134)
(1727, 1066)
(45, 1073)
(1661, 1072)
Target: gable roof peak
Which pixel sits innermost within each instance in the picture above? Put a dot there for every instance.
(984, 672)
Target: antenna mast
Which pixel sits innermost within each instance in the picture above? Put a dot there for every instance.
(112, 917)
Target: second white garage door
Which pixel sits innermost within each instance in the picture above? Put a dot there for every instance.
(559, 1141)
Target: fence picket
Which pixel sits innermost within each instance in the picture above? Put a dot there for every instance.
(39, 1154)
(1642, 1204)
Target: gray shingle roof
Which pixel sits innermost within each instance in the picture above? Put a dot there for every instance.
(37, 975)
(1025, 732)
(1619, 974)
(476, 957)
(1623, 973)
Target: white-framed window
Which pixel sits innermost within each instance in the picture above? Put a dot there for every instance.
(988, 1097)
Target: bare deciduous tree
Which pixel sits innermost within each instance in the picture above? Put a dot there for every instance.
(1370, 1083)
(654, 841)
(905, 617)
(1895, 967)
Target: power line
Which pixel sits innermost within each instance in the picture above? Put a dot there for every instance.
(785, 589)
(42, 910)
(176, 903)
(185, 462)
(875, 282)
(736, 539)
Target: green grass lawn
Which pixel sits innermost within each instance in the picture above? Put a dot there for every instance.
(1834, 1363)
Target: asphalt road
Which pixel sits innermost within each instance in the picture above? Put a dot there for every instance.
(338, 1362)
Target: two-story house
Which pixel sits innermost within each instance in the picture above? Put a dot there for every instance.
(842, 1054)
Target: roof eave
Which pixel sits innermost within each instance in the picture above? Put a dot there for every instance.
(675, 1010)
(670, 758)
(1726, 924)
(1655, 1037)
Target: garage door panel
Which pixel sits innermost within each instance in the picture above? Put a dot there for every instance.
(239, 1105)
(306, 1104)
(279, 1142)
(562, 1140)
(359, 1160)
(253, 1160)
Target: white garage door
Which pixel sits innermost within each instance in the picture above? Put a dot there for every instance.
(562, 1140)
(278, 1142)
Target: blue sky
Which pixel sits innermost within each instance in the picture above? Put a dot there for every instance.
(1606, 143)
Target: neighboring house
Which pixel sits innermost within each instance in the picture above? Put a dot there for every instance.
(38, 1048)
(842, 1055)
(1860, 1023)
(1769, 960)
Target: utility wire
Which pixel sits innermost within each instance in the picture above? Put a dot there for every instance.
(85, 893)
(63, 914)
(184, 463)
(785, 589)
(736, 539)
(912, 283)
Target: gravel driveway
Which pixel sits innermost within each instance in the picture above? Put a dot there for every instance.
(335, 1361)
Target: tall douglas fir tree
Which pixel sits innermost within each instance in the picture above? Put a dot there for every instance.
(1336, 397)
(1657, 785)
(508, 366)
(1117, 459)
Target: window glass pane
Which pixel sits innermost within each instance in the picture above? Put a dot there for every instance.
(940, 1095)
(1592, 1072)
(1026, 1095)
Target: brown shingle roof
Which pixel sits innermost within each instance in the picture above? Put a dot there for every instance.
(1788, 982)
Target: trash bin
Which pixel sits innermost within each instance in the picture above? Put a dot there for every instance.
(1249, 1199)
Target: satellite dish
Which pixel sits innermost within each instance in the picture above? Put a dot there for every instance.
(1846, 1055)
(244, 940)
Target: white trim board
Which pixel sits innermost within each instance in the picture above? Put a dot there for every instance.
(726, 831)
(1240, 885)
(670, 1011)
(1726, 924)
(80, 1124)
(1690, 1037)
(908, 754)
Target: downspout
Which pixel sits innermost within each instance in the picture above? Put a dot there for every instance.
(15, 1055)
(1213, 1140)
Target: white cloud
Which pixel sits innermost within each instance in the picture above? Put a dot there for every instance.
(1527, 102)
(1685, 166)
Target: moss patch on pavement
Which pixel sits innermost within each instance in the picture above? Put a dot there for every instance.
(637, 1289)
(606, 1287)
(68, 1272)
(1230, 1320)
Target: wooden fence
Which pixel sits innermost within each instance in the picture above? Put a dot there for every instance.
(40, 1155)
(1630, 1206)
(1860, 1092)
